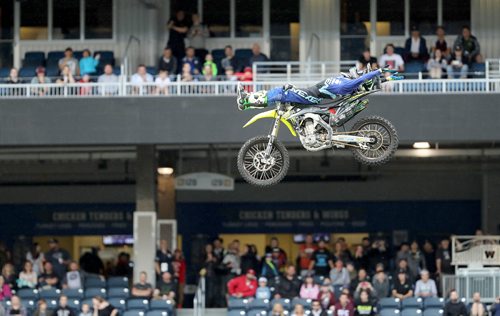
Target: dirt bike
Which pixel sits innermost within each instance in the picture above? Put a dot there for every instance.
(264, 161)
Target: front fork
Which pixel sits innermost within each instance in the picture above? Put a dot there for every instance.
(274, 131)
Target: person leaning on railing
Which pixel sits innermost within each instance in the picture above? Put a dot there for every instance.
(108, 77)
(40, 79)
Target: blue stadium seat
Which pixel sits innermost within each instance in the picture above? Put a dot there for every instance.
(318, 279)
(78, 54)
(243, 55)
(30, 305)
(411, 312)
(73, 293)
(236, 313)
(90, 293)
(87, 301)
(107, 57)
(434, 302)
(259, 304)
(478, 70)
(95, 283)
(285, 302)
(4, 72)
(433, 312)
(302, 301)
(52, 71)
(167, 305)
(50, 294)
(257, 312)
(52, 304)
(116, 70)
(218, 54)
(134, 313)
(412, 302)
(34, 59)
(399, 50)
(28, 294)
(138, 304)
(389, 303)
(414, 67)
(159, 313)
(389, 312)
(75, 304)
(118, 292)
(118, 281)
(119, 303)
(201, 53)
(236, 303)
(53, 58)
(152, 70)
(27, 72)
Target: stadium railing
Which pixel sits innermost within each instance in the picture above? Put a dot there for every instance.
(199, 298)
(293, 71)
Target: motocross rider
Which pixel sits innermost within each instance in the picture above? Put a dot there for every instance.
(330, 88)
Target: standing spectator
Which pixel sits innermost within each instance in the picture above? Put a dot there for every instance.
(5, 291)
(209, 61)
(443, 259)
(339, 275)
(306, 251)
(73, 278)
(344, 306)
(168, 62)
(163, 259)
(70, 61)
(454, 307)
(416, 260)
(166, 288)
(232, 260)
(436, 65)
(13, 77)
(430, 257)
(192, 60)
(279, 255)
(316, 309)
(162, 82)
(476, 307)
(379, 252)
(221, 272)
(365, 59)
(209, 266)
(360, 259)
(197, 33)
(457, 68)
(495, 307)
(441, 43)
(178, 28)
(230, 60)
(103, 308)
(179, 264)
(123, 266)
(48, 279)
(469, 44)
(27, 278)
(321, 260)
(309, 290)
(63, 309)
(91, 263)
(243, 286)
(219, 251)
(403, 267)
(36, 257)
(263, 292)
(9, 275)
(326, 297)
(257, 55)
(66, 76)
(85, 311)
(416, 47)
(289, 284)
(425, 287)
(381, 285)
(341, 252)
(364, 305)
(249, 258)
(42, 309)
(392, 60)
(402, 288)
(88, 63)
(143, 288)
(403, 253)
(16, 308)
(58, 257)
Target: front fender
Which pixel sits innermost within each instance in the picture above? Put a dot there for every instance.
(272, 115)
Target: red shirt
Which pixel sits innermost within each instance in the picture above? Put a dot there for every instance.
(242, 285)
(306, 252)
(180, 270)
(347, 310)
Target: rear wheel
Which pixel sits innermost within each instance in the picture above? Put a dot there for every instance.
(384, 144)
(260, 169)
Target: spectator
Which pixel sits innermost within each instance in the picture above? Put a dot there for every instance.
(63, 308)
(339, 274)
(289, 284)
(229, 74)
(436, 65)
(392, 60)
(454, 307)
(457, 68)
(197, 33)
(85, 311)
(178, 28)
(166, 288)
(163, 259)
(186, 73)
(476, 307)
(403, 253)
(221, 272)
(249, 258)
(416, 260)
(269, 269)
(263, 292)
(495, 307)
(441, 43)
(40, 79)
(219, 251)
(365, 59)
(279, 255)
(309, 290)
(246, 75)
(351, 270)
(88, 63)
(416, 47)
(257, 55)
(341, 252)
(103, 308)
(378, 253)
(209, 267)
(192, 60)
(207, 74)
(179, 264)
(168, 61)
(321, 260)
(70, 61)
(42, 309)
(232, 260)
(230, 60)
(278, 310)
(162, 82)
(27, 278)
(360, 259)
(443, 259)
(9, 275)
(66, 76)
(326, 297)
(425, 287)
(362, 277)
(366, 244)
(13, 77)
(58, 257)
(243, 286)
(48, 279)
(5, 291)
(86, 89)
(316, 309)
(299, 310)
(402, 288)
(141, 76)
(403, 267)
(209, 61)
(364, 305)
(36, 257)
(16, 308)
(430, 257)
(344, 306)
(381, 285)
(90, 261)
(143, 288)
(468, 43)
(306, 251)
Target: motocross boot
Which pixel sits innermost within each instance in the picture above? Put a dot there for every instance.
(254, 100)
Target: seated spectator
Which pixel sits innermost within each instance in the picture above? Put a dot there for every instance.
(103, 308)
(88, 63)
(5, 291)
(142, 288)
(457, 67)
(392, 60)
(416, 47)
(13, 77)
(362, 277)
(257, 55)
(192, 60)
(269, 269)
(469, 44)
(207, 74)
(70, 61)
(48, 279)
(316, 309)
(162, 82)
(289, 284)
(167, 287)
(279, 255)
(351, 269)
(246, 75)
(209, 61)
(73, 278)
(441, 43)
(141, 76)
(339, 275)
(16, 308)
(263, 291)
(381, 285)
(85, 90)
(321, 260)
(66, 76)
(402, 288)
(278, 310)
(454, 306)
(42, 309)
(85, 310)
(243, 286)
(186, 73)
(365, 59)
(326, 297)
(229, 75)
(476, 307)
(364, 305)
(425, 287)
(249, 258)
(197, 33)
(436, 65)
(309, 290)
(229, 60)
(63, 309)
(344, 306)
(109, 77)
(402, 266)
(168, 62)
(40, 76)
(298, 310)
(495, 307)
(27, 277)
(364, 286)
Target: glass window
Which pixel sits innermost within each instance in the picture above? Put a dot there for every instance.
(354, 28)
(390, 17)
(98, 19)
(285, 29)
(456, 13)
(188, 6)
(6, 32)
(34, 15)
(423, 15)
(248, 18)
(217, 16)
(66, 23)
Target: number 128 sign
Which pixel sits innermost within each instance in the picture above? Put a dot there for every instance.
(204, 181)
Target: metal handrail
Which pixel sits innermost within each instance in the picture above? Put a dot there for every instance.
(199, 298)
(125, 66)
(311, 43)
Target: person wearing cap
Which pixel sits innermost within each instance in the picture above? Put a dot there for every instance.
(263, 291)
(58, 257)
(402, 288)
(416, 47)
(457, 67)
(243, 286)
(70, 61)
(468, 43)
(40, 79)
(425, 287)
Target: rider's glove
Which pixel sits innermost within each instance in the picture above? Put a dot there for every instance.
(384, 70)
(394, 77)
(287, 87)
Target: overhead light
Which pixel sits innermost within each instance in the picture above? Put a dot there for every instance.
(421, 145)
(165, 171)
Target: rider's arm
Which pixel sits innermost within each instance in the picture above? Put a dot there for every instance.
(344, 87)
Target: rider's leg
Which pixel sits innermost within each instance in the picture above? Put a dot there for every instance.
(252, 100)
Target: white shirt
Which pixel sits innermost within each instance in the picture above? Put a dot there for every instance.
(393, 61)
(415, 45)
(136, 78)
(162, 82)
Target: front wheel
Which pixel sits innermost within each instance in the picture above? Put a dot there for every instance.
(385, 140)
(260, 169)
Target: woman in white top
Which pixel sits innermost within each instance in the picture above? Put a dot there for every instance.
(27, 278)
(35, 256)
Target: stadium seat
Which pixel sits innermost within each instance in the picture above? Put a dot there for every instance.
(318, 279)
(236, 303)
(4, 72)
(75, 304)
(28, 294)
(27, 72)
(87, 301)
(201, 53)
(257, 312)
(159, 313)
(30, 305)
(53, 58)
(152, 70)
(242, 56)
(134, 313)
(118, 281)
(73, 293)
(389, 312)
(478, 70)
(50, 294)
(302, 301)
(78, 54)
(218, 54)
(285, 302)
(236, 313)
(119, 303)
(52, 71)
(161, 305)
(52, 304)
(138, 304)
(411, 312)
(433, 312)
(90, 293)
(95, 283)
(434, 302)
(258, 304)
(118, 292)
(412, 302)
(34, 59)
(117, 70)
(389, 303)
(399, 50)
(107, 57)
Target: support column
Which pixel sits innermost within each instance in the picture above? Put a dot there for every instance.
(490, 204)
